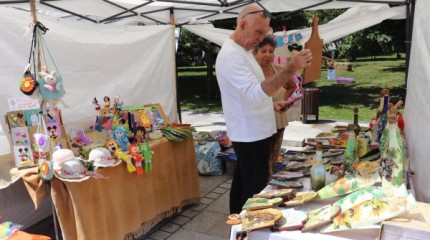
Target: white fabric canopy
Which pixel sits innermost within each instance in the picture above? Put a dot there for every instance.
(135, 62)
(353, 20)
(184, 11)
(417, 109)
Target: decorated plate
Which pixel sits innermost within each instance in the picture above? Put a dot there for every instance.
(286, 175)
(370, 212)
(301, 198)
(320, 217)
(291, 220)
(261, 203)
(283, 193)
(259, 219)
(345, 185)
(286, 184)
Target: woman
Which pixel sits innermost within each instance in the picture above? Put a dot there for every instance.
(264, 54)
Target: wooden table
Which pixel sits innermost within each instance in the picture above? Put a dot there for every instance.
(125, 205)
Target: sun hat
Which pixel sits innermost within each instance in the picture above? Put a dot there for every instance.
(60, 155)
(72, 168)
(102, 158)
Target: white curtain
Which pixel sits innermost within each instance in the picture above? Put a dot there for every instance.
(135, 62)
(417, 109)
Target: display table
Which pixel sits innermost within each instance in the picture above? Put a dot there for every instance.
(125, 205)
(368, 233)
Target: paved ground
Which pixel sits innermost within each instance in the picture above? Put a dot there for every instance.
(206, 221)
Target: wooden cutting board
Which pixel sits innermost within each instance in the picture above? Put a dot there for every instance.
(315, 44)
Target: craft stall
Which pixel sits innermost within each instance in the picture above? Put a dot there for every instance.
(115, 178)
(350, 183)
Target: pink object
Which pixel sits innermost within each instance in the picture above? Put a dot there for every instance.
(344, 80)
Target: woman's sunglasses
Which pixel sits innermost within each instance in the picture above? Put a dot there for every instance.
(266, 14)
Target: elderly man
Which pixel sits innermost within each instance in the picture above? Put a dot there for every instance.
(247, 102)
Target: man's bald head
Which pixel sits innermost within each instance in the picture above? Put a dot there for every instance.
(248, 9)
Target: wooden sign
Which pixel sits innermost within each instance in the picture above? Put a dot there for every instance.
(315, 44)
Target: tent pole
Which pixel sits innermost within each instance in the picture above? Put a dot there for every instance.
(125, 11)
(178, 102)
(410, 12)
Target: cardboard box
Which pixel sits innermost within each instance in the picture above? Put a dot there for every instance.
(412, 225)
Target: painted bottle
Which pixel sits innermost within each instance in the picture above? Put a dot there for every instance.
(317, 170)
(392, 153)
(357, 128)
(351, 155)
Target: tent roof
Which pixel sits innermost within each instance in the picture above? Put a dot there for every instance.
(184, 11)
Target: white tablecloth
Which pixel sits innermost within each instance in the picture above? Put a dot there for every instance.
(368, 233)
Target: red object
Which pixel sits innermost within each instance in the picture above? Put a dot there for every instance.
(372, 122)
(400, 121)
(284, 28)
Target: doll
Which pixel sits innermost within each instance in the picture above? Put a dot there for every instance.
(119, 133)
(139, 134)
(145, 150)
(136, 158)
(112, 145)
(106, 99)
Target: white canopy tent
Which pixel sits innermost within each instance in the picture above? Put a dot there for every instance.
(138, 63)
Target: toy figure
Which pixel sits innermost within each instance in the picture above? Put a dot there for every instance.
(139, 134)
(112, 145)
(117, 105)
(96, 104)
(146, 122)
(106, 99)
(120, 135)
(152, 113)
(145, 150)
(136, 158)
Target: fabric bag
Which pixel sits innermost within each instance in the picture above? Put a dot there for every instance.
(207, 161)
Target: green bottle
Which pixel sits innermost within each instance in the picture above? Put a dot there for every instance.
(351, 155)
(357, 128)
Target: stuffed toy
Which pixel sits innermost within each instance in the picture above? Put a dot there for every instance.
(112, 145)
(50, 81)
(147, 153)
(137, 158)
(51, 85)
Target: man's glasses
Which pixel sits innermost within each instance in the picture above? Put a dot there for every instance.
(266, 14)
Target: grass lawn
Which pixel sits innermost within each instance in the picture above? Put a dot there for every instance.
(336, 100)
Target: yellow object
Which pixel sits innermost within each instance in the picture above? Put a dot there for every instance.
(363, 146)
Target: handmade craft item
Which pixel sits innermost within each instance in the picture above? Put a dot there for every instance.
(291, 220)
(320, 217)
(300, 198)
(351, 155)
(392, 153)
(72, 168)
(286, 175)
(370, 212)
(317, 170)
(61, 155)
(113, 147)
(136, 158)
(102, 157)
(255, 203)
(369, 193)
(233, 219)
(282, 193)
(344, 185)
(120, 136)
(286, 184)
(365, 169)
(147, 153)
(258, 219)
(315, 44)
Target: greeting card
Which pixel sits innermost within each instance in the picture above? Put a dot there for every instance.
(20, 136)
(23, 155)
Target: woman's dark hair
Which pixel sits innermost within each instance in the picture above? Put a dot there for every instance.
(268, 39)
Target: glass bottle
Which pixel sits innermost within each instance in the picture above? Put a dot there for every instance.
(351, 155)
(317, 170)
(357, 128)
(392, 153)
(383, 118)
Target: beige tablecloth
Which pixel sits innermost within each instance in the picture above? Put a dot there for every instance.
(126, 205)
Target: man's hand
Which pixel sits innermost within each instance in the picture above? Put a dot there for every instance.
(281, 106)
(302, 59)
